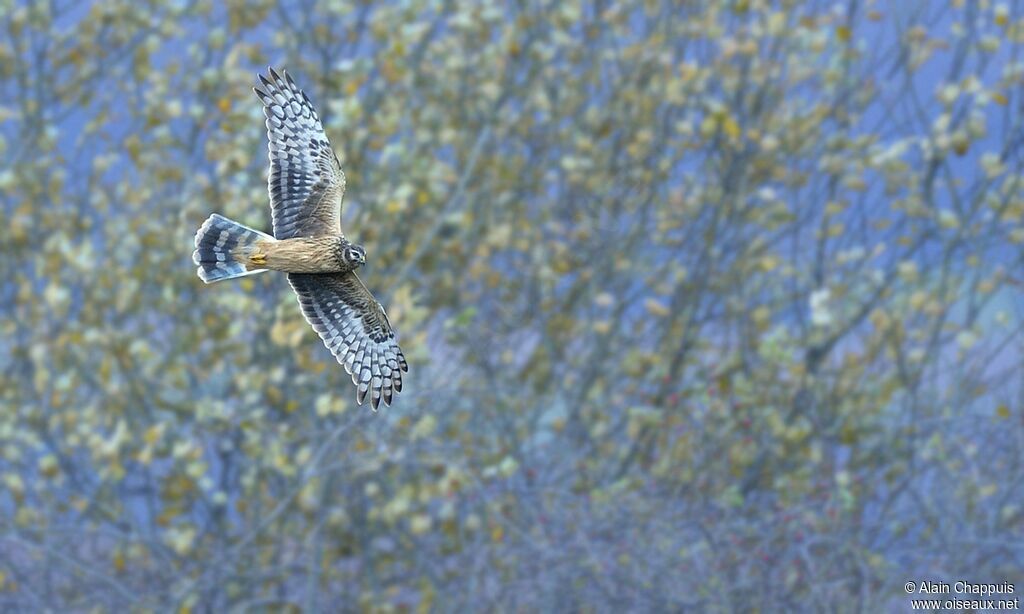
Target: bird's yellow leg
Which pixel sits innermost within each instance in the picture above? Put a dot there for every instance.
(256, 255)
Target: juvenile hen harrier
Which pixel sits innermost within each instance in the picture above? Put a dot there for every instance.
(306, 187)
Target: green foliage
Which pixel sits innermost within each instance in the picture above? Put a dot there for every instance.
(708, 305)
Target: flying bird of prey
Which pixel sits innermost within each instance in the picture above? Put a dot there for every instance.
(306, 187)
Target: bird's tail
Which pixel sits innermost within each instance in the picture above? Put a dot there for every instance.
(219, 242)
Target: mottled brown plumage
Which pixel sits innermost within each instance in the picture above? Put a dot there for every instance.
(325, 254)
(306, 187)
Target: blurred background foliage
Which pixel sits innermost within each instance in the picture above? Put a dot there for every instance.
(709, 305)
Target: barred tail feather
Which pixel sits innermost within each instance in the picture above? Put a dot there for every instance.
(217, 242)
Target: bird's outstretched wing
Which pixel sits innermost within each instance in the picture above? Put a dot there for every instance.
(355, 329)
(306, 181)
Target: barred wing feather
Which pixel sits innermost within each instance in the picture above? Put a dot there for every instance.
(306, 181)
(355, 328)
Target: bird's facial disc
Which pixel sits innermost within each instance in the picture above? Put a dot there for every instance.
(355, 255)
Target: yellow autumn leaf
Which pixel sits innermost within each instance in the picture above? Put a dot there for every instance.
(424, 427)
(1002, 15)
(656, 308)
(730, 127)
(834, 207)
(153, 433)
(420, 524)
(761, 316)
(49, 466)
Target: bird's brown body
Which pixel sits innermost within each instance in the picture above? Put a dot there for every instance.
(323, 254)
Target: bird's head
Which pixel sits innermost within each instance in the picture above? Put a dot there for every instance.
(354, 255)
